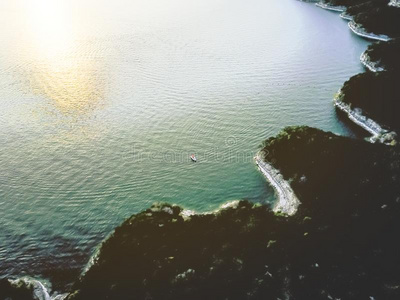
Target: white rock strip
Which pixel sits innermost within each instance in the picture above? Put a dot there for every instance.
(370, 65)
(357, 29)
(287, 202)
(40, 292)
(394, 3)
(330, 7)
(343, 15)
(356, 115)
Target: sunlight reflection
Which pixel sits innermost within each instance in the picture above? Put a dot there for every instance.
(61, 65)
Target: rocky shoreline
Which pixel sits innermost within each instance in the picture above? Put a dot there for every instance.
(247, 251)
(344, 16)
(166, 252)
(287, 202)
(385, 55)
(331, 7)
(167, 256)
(360, 31)
(26, 288)
(374, 128)
(394, 3)
(370, 65)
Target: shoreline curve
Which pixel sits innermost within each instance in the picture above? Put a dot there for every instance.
(361, 32)
(374, 128)
(288, 202)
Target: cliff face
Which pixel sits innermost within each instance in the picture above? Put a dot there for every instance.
(342, 243)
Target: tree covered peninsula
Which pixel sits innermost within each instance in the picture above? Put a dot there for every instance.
(342, 243)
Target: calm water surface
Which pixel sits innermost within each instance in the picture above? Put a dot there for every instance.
(102, 102)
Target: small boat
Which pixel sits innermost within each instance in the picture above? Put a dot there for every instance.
(192, 157)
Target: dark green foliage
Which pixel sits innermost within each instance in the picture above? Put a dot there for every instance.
(380, 20)
(349, 3)
(365, 6)
(377, 94)
(386, 53)
(351, 191)
(218, 256)
(374, 15)
(227, 253)
(343, 242)
(17, 291)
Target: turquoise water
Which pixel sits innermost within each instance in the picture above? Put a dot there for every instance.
(102, 102)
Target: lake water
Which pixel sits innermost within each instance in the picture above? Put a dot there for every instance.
(102, 102)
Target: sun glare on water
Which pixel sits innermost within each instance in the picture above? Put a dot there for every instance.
(60, 65)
